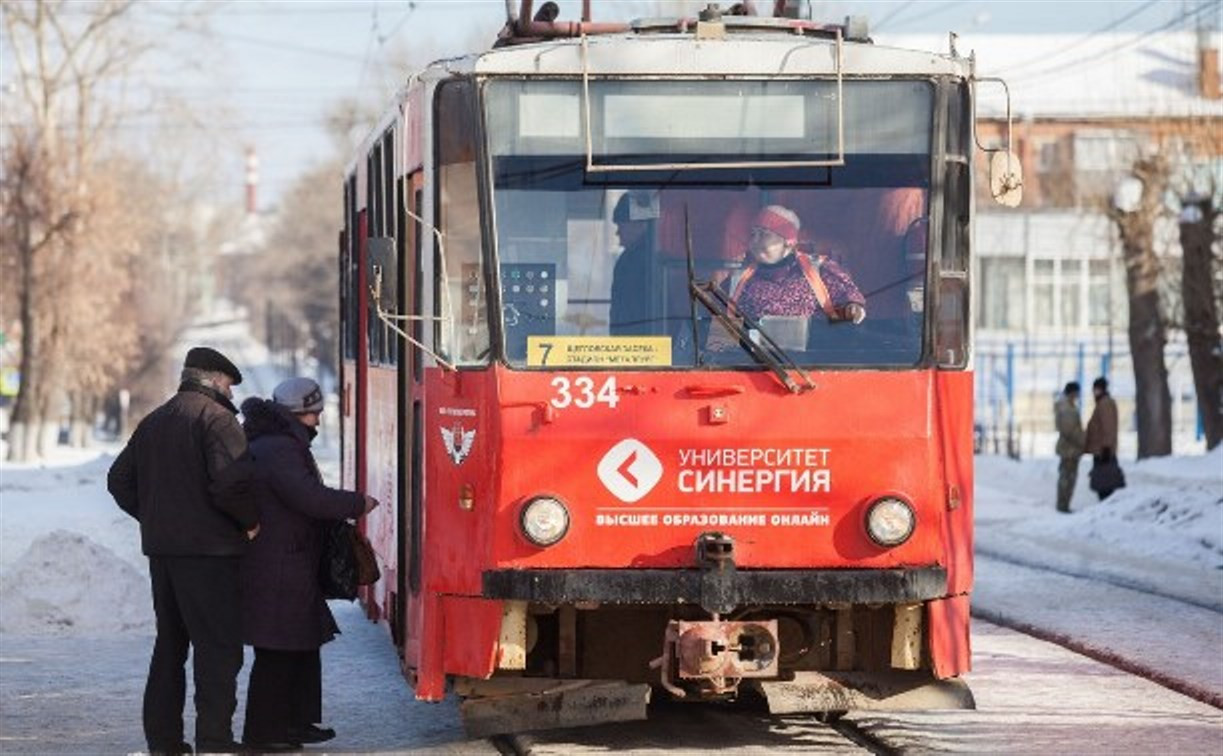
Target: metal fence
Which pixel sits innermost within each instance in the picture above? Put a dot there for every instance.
(1018, 379)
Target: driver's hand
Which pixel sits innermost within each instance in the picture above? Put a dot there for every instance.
(855, 312)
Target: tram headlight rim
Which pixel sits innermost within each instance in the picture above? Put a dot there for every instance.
(881, 508)
(536, 507)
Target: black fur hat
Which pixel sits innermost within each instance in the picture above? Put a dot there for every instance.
(207, 358)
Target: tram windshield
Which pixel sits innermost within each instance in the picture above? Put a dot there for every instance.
(596, 267)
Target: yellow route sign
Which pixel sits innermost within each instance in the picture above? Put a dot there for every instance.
(599, 351)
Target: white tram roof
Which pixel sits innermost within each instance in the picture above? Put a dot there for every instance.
(740, 54)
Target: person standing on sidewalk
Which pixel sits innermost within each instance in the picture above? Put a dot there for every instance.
(284, 614)
(1069, 443)
(1101, 442)
(186, 476)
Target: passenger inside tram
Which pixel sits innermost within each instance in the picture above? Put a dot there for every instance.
(632, 309)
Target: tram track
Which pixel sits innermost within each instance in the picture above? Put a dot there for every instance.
(1079, 626)
(1104, 656)
(695, 727)
(862, 738)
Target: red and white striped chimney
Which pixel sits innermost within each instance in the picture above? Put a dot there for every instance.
(252, 179)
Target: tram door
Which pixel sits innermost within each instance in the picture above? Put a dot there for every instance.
(410, 421)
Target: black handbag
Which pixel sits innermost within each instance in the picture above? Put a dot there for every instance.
(348, 561)
(1106, 475)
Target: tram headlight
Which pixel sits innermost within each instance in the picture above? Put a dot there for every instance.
(890, 521)
(544, 520)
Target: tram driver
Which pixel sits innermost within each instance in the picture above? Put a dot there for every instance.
(778, 280)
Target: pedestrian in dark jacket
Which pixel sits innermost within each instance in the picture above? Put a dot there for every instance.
(284, 614)
(1106, 475)
(1069, 443)
(185, 475)
(1102, 426)
(632, 288)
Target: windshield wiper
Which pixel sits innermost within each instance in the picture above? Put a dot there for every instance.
(766, 351)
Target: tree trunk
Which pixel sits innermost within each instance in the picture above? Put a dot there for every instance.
(1153, 401)
(1202, 316)
(83, 413)
(27, 420)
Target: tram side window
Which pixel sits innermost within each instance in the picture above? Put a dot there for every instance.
(374, 328)
(951, 328)
(380, 165)
(350, 298)
(390, 229)
(460, 297)
(418, 279)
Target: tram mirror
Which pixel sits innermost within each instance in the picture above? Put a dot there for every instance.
(1006, 179)
(382, 272)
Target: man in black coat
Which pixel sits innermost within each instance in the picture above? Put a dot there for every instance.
(632, 289)
(187, 477)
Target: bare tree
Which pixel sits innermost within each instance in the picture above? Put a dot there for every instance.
(1202, 265)
(62, 55)
(1136, 226)
(76, 221)
(34, 225)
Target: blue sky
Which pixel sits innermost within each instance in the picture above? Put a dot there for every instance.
(277, 65)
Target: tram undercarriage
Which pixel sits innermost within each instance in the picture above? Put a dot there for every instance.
(580, 647)
(589, 664)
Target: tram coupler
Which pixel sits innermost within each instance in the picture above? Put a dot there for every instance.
(715, 555)
(713, 656)
(715, 551)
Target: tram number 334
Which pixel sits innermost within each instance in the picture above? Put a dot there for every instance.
(580, 392)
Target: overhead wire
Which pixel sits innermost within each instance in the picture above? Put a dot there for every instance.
(369, 46)
(1089, 36)
(1137, 39)
(247, 39)
(936, 10)
(896, 12)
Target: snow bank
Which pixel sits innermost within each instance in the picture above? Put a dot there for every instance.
(1163, 532)
(67, 584)
(66, 492)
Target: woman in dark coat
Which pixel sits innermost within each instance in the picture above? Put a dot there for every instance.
(284, 614)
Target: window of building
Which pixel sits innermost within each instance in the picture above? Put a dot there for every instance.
(1099, 293)
(1043, 282)
(1002, 293)
(1070, 285)
(1048, 157)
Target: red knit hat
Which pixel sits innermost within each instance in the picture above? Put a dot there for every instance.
(780, 220)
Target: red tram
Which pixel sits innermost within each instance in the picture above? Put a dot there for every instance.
(587, 506)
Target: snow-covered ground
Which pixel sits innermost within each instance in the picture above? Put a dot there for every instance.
(1163, 532)
(75, 620)
(1136, 579)
(76, 626)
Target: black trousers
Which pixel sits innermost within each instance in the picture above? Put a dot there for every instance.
(285, 693)
(197, 604)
